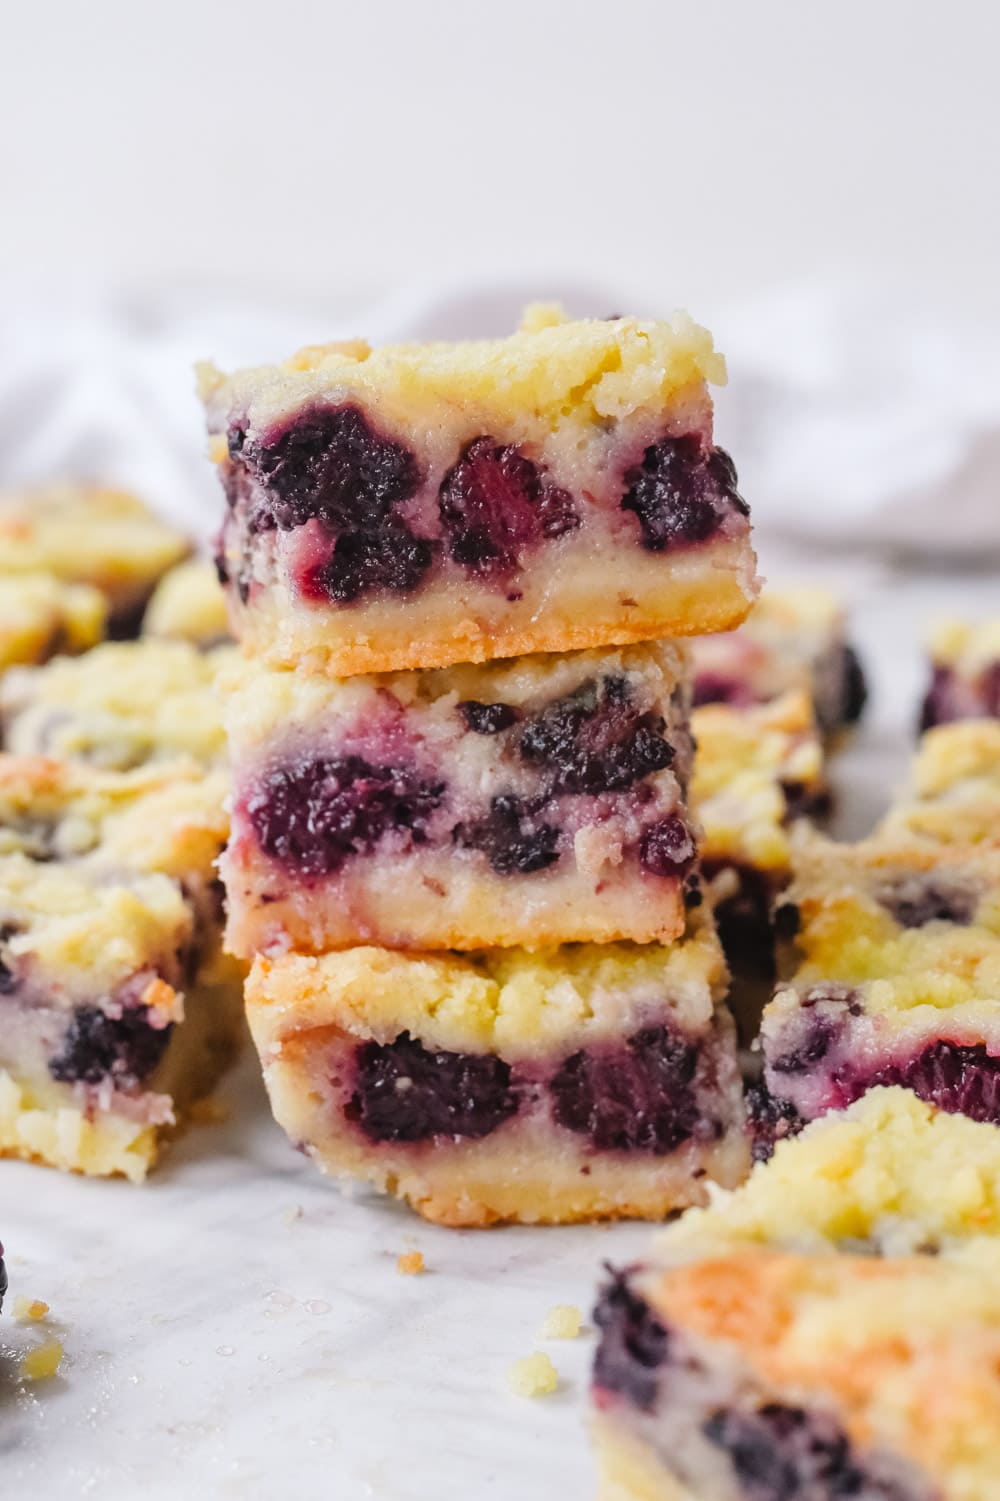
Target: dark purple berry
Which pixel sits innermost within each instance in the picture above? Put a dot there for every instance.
(787, 920)
(783, 1453)
(744, 919)
(667, 848)
(963, 1080)
(487, 719)
(315, 814)
(769, 1120)
(404, 1092)
(634, 1345)
(636, 1098)
(330, 464)
(713, 688)
(512, 836)
(854, 690)
(386, 558)
(914, 900)
(596, 740)
(8, 977)
(124, 1049)
(495, 502)
(821, 1026)
(681, 492)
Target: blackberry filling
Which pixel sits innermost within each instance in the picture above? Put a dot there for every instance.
(512, 836)
(487, 719)
(386, 557)
(783, 1453)
(638, 1098)
(744, 921)
(596, 740)
(769, 1120)
(330, 464)
(315, 814)
(963, 1080)
(681, 492)
(125, 1049)
(8, 977)
(633, 1344)
(404, 1092)
(820, 1027)
(854, 694)
(667, 848)
(495, 502)
(914, 900)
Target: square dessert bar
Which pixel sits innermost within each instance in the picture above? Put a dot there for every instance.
(756, 771)
(40, 617)
(585, 1082)
(965, 673)
(954, 796)
(420, 505)
(118, 1008)
(894, 977)
(188, 605)
(539, 800)
(829, 1330)
(792, 639)
(84, 534)
(121, 705)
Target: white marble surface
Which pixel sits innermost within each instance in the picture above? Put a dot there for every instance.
(237, 1328)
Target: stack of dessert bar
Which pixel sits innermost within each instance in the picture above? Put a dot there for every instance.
(461, 857)
(118, 1007)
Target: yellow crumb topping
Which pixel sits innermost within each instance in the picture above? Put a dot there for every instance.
(188, 605)
(533, 1376)
(890, 1169)
(563, 1321)
(964, 646)
(504, 1000)
(42, 1362)
(41, 616)
(29, 1310)
(411, 1264)
(744, 759)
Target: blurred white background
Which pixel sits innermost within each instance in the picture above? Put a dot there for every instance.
(232, 179)
(692, 153)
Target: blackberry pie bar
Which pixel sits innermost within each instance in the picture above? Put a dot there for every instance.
(965, 673)
(538, 800)
(829, 1330)
(793, 639)
(119, 1009)
(894, 974)
(40, 617)
(121, 705)
(584, 1082)
(757, 771)
(420, 505)
(85, 534)
(954, 796)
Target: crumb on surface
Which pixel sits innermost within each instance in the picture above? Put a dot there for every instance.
(563, 1321)
(41, 1362)
(534, 1376)
(29, 1310)
(411, 1264)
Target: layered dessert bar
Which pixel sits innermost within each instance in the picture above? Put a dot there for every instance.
(756, 772)
(954, 796)
(188, 605)
(585, 1082)
(894, 971)
(539, 800)
(119, 1009)
(793, 639)
(763, 1375)
(85, 534)
(420, 505)
(40, 617)
(965, 673)
(119, 706)
(829, 1330)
